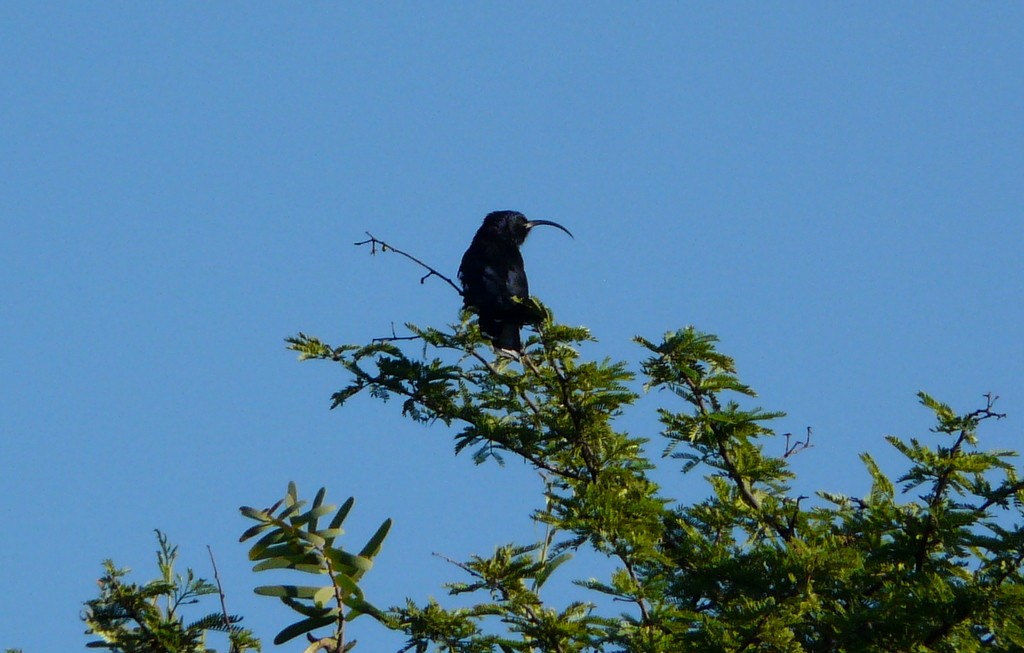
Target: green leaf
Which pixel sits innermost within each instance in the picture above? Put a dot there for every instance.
(323, 595)
(264, 544)
(342, 513)
(285, 563)
(312, 515)
(372, 547)
(293, 591)
(319, 498)
(330, 534)
(305, 609)
(255, 530)
(321, 644)
(303, 627)
(359, 606)
(349, 562)
(943, 411)
(312, 538)
(549, 567)
(348, 585)
(291, 550)
(254, 513)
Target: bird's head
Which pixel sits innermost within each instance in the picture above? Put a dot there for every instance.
(512, 226)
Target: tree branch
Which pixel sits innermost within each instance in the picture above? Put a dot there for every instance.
(562, 386)
(394, 337)
(377, 381)
(986, 412)
(645, 616)
(971, 421)
(742, 484)
(375, 242)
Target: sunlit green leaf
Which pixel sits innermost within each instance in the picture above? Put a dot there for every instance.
(323, 595)
(293, 591)
(373, 546)
(349, 562)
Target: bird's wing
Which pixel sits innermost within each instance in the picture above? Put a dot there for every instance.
(516, 284)
(493, 280)
(496, 285)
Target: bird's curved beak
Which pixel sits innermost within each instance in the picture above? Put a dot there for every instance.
(533, 223)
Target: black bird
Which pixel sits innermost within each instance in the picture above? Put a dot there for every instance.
(494, 281)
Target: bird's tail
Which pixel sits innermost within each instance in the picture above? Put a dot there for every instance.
(502, 334)
(509, 338)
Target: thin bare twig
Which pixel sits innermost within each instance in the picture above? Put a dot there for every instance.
(220, 590)
(797, 446)
(394, 336)
(374, 242)
(986, 412)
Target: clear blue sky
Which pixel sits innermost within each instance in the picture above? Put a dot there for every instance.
(835, 190)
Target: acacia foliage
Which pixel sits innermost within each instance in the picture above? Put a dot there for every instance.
(934, 565)
(131, 618)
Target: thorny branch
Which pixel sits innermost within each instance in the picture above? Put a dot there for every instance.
(375, 242)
